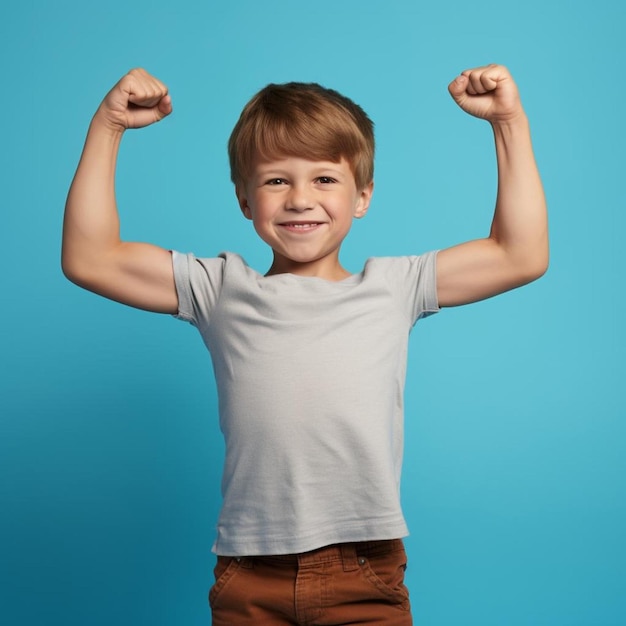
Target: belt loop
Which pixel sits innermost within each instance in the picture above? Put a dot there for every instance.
(348, 556)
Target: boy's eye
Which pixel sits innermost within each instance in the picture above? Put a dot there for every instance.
(276, 181)
(326, 179)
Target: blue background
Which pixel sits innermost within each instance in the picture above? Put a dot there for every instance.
(515, 454)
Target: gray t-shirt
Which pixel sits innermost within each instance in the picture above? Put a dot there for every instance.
(310, 377)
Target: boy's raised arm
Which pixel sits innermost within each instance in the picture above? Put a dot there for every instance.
(93, 255)
(516, 250)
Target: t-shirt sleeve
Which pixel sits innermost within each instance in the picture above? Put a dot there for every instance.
(414, 279)
(198, 285)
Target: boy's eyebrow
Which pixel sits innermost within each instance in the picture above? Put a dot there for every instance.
(326, 167)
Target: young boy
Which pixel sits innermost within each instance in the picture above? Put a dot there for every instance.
(309, 359)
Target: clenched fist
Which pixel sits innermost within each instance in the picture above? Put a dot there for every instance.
(137, 100)
(487, 92)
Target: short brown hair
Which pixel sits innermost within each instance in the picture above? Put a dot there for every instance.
(304, 120)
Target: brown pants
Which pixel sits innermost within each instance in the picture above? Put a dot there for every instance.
(354, 583)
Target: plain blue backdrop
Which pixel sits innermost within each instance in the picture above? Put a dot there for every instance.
(110, 453)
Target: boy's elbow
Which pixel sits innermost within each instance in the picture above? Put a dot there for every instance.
(543, 268)
(535, 267)
(68, 267)
(75, 271)
(542, 261)
(526, 267)
(72, 274)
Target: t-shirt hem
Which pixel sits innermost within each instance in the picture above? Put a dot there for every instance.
(297, 545)
(182, 281)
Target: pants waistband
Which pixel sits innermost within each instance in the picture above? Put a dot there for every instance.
(348, 553)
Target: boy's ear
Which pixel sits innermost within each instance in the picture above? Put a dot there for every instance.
(364, 200)
(243, 202)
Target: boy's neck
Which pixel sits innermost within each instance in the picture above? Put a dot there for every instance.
(327, 269)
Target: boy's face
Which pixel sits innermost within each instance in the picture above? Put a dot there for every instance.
(303, 210)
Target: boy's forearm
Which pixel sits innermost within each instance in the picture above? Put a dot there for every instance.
(91, 224)
(520, 221)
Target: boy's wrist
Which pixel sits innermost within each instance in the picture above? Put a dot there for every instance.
(101, 124)
(513, 132)
(517, 123)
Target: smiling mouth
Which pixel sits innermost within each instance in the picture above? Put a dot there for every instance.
(301, 226)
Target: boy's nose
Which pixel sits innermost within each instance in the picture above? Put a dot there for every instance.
(299, 199)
